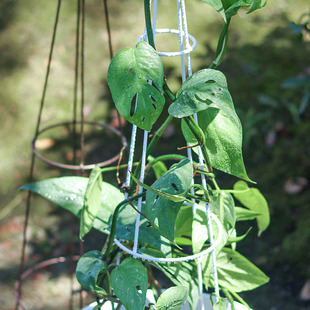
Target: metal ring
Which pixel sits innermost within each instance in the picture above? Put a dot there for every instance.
(177, 259)
(77, 167)
(173, 31)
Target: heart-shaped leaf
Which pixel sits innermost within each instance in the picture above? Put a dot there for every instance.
(223, 141)
(255, 201)
(129, 282)
(135, 78)
(205, 89)
(69, 192)
(92, 201)
(87, 270)
(163, 212)
(172, 299)
(238, 274)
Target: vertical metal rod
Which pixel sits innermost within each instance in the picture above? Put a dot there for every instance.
(82, 85)
(28, 202)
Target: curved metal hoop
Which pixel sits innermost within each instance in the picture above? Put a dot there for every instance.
(177, 259)
(173, 31)
(77, 167)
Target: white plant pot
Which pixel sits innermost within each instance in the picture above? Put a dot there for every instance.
(207, 305)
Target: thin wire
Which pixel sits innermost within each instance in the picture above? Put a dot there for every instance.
(180, 10)
(178, 259)
(76, 74)
(108, 27)
(82, 84)
(143, 162)
(144, 149)
(74, 144)
(203, 178)
(27, 211)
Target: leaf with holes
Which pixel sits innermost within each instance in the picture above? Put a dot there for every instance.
(163, 212)
(223, 141)
(172, 299)
(135, 78)
(87, 270)
(255, 201)
(92, 201)
(129, 282)
(205, 89)
(162, 194)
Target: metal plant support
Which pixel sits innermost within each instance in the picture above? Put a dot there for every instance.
(77, 123)
(185, 49)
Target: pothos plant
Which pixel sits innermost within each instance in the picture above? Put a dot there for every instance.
(167, 224)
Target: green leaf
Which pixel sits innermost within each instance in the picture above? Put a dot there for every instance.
(172, 299)
(183, 226)
(223, 206)
(200, 236)
(220, 305)
(184, 274)
(229, 8)
(129, 282)
(69, 193)
(238, 274)
(234, 239)
(87, 270)
(243, 214)
(255, 201)
(162, 212)
(125, 229)
(223, 141)
(221, 45)
(205, 89)
(92, 201)
(129, 74)
(164, 195)
(159, 167)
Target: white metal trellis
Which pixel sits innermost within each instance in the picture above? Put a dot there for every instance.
(184, 52)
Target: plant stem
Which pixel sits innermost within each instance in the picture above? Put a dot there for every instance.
(241, 300)
(148, 23)
(165, 157)
(168, 92)
(115, 167)
(113, 226)
(199, 135)
(230, 298)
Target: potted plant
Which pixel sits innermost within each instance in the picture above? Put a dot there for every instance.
(177, 210)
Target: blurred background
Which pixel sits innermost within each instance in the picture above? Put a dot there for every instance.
(268, 71)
